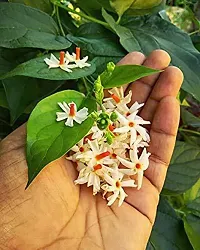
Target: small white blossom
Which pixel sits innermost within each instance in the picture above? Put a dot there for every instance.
(115, 185)
(98, 154)
(71, 114)
(92, 176)
(80, 63)
(136, 165)
(133, 124)
(53, 62)
(117, 100)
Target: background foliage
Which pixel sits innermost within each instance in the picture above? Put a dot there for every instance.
(28, 35)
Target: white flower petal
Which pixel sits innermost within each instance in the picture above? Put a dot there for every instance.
(143, 132)
(133, 136)
(122, 196)
(124, 129)
(121, 118)
(64, 107)
(69, 122)
(135, 107)
(128, 183)
(134, 155)
(65, 68)
(126, 163)
(109, 179)
(61, 116)
(53, 59)
(139, 179)
(112, 198)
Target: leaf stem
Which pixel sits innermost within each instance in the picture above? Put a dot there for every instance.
(194, 32)
(80, 13)
(118, 20)
(189, 131)
(59, 22)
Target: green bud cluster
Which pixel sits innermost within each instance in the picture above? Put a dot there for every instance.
(103, 122)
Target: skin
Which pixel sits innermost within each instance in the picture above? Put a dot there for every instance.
(55, 214)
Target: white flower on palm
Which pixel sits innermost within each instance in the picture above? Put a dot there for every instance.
(62, 63)
(96, 132)
(80, 63)
(97, 155)
(71, 114)
(92, 176)
(139, 143)
(78, 148)
(136, 165)
(117, 99)
(134, 108)
(133, 124)
(115, 184)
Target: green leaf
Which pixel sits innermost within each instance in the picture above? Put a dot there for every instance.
(120, 6)
(168, 230)
(189, 119)
(194, 206)
(140, 7)
(3, 99)
(126, 38)
(23, 26)
(44, 5)
(192, 193)
(55, 139)
(124, 74)
(184, 170)
(37, 68)
(96, 40)
(156, 33)
(192, 228)
(22, 91)
(101, 45)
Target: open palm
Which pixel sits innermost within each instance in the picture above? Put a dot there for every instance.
(54, 214)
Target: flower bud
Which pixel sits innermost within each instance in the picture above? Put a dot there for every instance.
(113, 117)
(102, 123)
(104, 115)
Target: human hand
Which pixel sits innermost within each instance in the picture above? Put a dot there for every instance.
(54, 214)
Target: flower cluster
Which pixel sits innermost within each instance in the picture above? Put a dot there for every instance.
(67, 61)
(114, 150)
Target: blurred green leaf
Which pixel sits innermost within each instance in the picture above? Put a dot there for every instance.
(189, 119)
(22, 91)
(120, 6)
(192, 193)
(194, 206)
(23, 26)
(184, 169)
(54, 137)
(141, 7)
(168, 231)
(99, 43)
(192, 228)
(155, 33)
(124, 74)
(3, 100)
(37, 68)
(44, 5)
(126, 37)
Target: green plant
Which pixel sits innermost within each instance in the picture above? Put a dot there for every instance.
(29, 35)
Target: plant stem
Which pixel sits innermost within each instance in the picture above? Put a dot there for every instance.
(118, 20)
(189, 131)
(87, 87)
(59, 22)
(80, 14)
(194, 32)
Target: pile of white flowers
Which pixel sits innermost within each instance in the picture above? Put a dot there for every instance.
(67, 61)
(114, 150)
